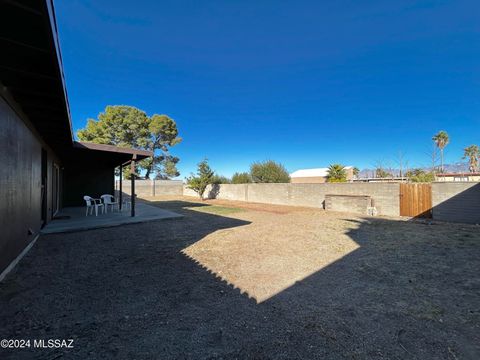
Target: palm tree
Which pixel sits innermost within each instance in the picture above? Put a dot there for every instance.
(441, 139)
(336, 173)
(472, 153)
(356, 171)
(381, 173)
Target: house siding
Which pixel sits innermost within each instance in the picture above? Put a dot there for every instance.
(20, 184)
(91, 180)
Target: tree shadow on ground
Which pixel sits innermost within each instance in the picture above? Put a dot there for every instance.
(129, 292)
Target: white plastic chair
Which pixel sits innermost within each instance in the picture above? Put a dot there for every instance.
(109, 200)
(93, 204)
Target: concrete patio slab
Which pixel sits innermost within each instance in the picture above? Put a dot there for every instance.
(77, 221)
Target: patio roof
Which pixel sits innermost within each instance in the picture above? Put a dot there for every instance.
(106, 154)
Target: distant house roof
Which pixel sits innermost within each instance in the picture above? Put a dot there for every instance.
(317, 172)
(459, 174)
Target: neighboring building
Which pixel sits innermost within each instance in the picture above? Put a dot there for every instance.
(387, 179)
(316, 176)
(42, 167)
(458, 176)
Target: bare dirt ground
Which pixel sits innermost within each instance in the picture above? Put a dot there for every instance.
(250, 281)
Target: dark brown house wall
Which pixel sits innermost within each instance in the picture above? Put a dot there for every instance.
(88, 180)
(20, 184)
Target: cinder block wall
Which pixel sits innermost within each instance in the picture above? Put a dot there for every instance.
(168, 187)
(456, 201)
(451, 201)
(190, 192)
(386, 196)
(146, 188)
(348, 203)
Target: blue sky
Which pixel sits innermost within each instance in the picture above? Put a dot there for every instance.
(305, 83)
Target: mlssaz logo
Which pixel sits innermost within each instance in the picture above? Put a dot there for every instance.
(53, 343)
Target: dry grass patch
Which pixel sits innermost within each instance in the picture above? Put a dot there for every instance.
(275, 251)
(216, 210)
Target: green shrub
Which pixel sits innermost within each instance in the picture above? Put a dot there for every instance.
(220, 179)
(204, 177)
(269, 172)
(419, 175)
(380, 173)
(241, 178)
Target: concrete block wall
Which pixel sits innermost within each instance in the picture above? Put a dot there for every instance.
(311, 195)
(278, 194)
(142, 187)
(451, 201)
(456, 202)
(386, 196)
(190, 192)
(233, 192)
(146, 188)
(168, 187)
(348, 203)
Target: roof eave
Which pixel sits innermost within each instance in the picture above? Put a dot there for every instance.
(138, 153)
(56, 43)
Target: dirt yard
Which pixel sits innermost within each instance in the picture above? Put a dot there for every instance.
(250, 281)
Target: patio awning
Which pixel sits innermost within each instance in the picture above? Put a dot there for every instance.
(105, 154)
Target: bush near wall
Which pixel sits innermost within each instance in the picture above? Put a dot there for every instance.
(269, 172)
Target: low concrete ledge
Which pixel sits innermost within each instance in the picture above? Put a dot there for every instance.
(358, 204)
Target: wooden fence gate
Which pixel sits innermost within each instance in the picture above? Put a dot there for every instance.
(416, 200)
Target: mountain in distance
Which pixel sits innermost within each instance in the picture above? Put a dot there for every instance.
(460, 167)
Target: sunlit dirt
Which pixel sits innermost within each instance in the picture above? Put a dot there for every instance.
(273, 252)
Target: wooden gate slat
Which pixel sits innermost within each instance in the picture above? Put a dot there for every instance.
(415, 200)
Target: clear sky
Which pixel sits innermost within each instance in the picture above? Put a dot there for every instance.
(305, 83)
